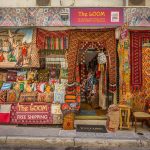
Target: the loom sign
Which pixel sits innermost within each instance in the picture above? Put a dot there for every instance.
(96, 16)
(31, 114)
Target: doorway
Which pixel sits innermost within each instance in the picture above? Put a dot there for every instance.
(93, 79)
(88, 43)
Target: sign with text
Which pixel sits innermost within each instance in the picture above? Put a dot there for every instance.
(31, 114)
(96, 16)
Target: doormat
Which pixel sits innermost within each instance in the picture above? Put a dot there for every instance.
(87, 112)
(91, 128)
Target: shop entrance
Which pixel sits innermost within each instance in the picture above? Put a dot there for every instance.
(92, 61)
(85, 45)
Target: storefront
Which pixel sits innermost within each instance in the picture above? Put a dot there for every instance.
(65, 64)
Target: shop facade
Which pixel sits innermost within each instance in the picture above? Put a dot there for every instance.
(45, 55)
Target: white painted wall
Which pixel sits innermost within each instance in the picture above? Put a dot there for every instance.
(17, 3)
(147, 2)
(56, 3)
(88, 3)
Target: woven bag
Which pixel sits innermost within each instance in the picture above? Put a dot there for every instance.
(13, 96)
(3, 76)
(49, 97)
(57, 119)
(68, 121)
(11, 76)
(3, 96)
(43, 75)
(41, 97)
(28, 97)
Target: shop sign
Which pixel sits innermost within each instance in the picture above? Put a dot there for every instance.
(96, 16)
(31, 114)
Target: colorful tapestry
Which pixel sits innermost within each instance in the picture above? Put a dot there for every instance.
(140, 97)
(136, 60)
(136, 38)
(137, 16)
(55, 43)
(124, 67)
(59, 97)
(14, 17)
(52, 16)
(35, 16)
(51, 40)
(103, 36)
(17, 48)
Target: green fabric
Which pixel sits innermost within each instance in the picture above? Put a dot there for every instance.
(48, 43)
(1, 83)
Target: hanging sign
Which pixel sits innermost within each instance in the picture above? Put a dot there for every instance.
(96, 16)
(124, 34)
(31, 114)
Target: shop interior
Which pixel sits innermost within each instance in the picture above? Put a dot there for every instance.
(93, 82)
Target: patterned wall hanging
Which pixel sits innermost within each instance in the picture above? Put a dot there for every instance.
(137, 16)
(104, 36)
(136, 38)
(18, 48)
(139, 98)
(124, 65)
(34, 16)
(57, 40)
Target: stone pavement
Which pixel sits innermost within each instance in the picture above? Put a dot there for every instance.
(51, 136)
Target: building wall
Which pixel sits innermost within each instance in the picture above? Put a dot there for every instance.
(32, 3)
(17, 3)
(147, 2)
(90, 3)
(55, 3)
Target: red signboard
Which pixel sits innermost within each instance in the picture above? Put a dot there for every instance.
(96, 16)
(31, 114)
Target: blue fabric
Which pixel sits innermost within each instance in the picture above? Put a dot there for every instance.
(6, 86)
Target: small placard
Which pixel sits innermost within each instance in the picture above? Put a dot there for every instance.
(56, 109)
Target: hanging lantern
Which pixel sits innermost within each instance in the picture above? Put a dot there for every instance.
(101, 58)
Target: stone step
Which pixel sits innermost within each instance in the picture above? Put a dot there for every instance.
(89, 122)
(85, 117)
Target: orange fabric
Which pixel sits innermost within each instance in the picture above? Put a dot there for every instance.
(70, 97)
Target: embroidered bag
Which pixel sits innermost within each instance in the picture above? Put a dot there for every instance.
(64, 73)
(41, 97)
(21, 76)
(43, 75)
(3, 96)
(49, 97)
(3, 76)
(13, 96)
(28, 97)
(11, 76)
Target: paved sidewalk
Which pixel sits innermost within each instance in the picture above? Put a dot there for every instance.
(50, 136)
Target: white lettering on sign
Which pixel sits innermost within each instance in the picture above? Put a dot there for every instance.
(37, 117)
(22, 117)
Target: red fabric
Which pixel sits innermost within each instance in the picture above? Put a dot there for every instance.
(136, 39)
(24, 51)
(4, 117)
(43, 34)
